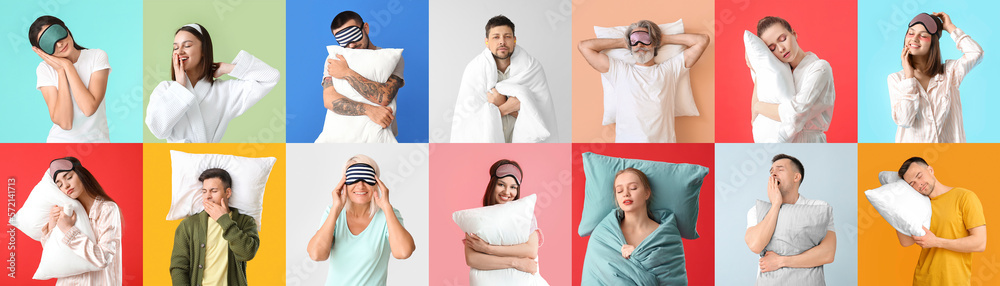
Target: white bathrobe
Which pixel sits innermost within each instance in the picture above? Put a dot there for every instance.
(808, 114)
(478, 121)
(200, 114)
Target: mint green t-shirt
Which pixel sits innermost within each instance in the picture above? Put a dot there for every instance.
(361, 259)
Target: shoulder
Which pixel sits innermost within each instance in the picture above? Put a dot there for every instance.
(820, 67)
(812, 202)
(895, 77)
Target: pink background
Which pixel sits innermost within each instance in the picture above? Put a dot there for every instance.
(458, 179)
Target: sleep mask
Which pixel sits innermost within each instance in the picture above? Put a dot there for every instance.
(928, 21)
(58, 166)
(55, 33)
(637, 37)
(360, 172)
(348, 35)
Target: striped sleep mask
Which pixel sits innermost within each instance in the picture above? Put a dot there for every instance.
(360, 172)
(348, 35)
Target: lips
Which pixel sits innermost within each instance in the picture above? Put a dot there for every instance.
(787, 55)
(505, 198)
(70, 191)
(64, 48)
(184, 58)
(360, 193)
(627, 202)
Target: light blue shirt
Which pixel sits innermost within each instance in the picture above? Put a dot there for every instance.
(361, 259)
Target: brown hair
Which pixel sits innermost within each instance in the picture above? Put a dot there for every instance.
(906, 165)
(90, 183)
(207, 62)
(489, 199)
(769, 21)
(932, 66)
(645, 183)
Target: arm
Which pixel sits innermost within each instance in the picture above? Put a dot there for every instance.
(180, 263)
(88, 98)
(256, 80)
(322, 242)
(812, 104)
(108, 231)
(379, 93)
(972, 53)
(759, 235)
(904, 98)
(528, 249)
(904, 240)
(400, 241)
(59, 102)
(818, 255)
(242, 236)
(591, 50)
(695, 43)
(975, 242)
(342, 105)
(482, 261)
(770, 110)
(168, 104)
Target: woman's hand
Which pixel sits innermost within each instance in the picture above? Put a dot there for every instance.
(905, 58)
(753, 105)
(54, 215)
(178, 66)
(66, 222)
(627, 250)
(222, 69)
(526, 265)
(382, 197)
(56, 63)
(476, 243)
(946, 22)
(339, 195)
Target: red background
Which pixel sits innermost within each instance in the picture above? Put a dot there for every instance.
(699, 254)
(826, 28)
(118, 167)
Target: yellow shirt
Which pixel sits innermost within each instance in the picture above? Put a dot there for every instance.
(216, 256)
(954, 213)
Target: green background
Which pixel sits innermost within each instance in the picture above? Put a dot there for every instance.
(233, 26)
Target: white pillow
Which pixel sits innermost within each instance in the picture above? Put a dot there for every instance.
(249, 180)
(902, 207)
(375, 65)
(502, 224)
(57, 259)
(684, 101)
(886, 177)
(774, 85)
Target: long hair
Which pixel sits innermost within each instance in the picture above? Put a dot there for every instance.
(36, 28)
(932, 65)
(490, 198)
(645, 183)
(89, 182)
(207, 61)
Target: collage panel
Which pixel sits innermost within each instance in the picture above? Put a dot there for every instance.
(93, 104)
(74, 213)
(359, 245)
(237, 51)
(477, 234)
(635, 102)
(188, 189)
(786, 74)
(643, 214)
(928, 227)
(380, 95)
(946, 103)
(810, 238)
(488, 87)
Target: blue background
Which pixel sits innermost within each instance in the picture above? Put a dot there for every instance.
(392, 24)
(112, 26)
(741, 178)
(881, 25)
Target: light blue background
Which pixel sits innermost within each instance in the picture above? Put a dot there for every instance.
(881, 25)
(392, 24)
(741, 178)
(112, 26)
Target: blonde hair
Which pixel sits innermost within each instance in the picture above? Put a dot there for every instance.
(371, 162)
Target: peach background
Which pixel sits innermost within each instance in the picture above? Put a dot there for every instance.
(459, 175)
(881, 260)
(267, 267)
(588, 102)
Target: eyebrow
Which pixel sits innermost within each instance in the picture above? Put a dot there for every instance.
(175, 43)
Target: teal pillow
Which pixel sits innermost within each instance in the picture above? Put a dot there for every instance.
(675, 188)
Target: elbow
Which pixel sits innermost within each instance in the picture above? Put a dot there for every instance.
(65, 124)
(981, 247)
(89, 111)
(317, 256)
(756, 249)
(328, 105)
(704, 39)
(402, 254)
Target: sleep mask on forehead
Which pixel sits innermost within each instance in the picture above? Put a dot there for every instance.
(55, 33)
(637, 37)
(348, 35)
(59, 166)
(360, 172)
(928, 22)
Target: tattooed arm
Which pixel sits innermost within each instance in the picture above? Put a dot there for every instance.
(379, 93)
(339, 104)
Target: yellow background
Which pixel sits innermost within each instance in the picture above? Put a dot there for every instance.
(881, 260)
(267, 267)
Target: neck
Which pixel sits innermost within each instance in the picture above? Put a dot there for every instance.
(919, 63)
(74, 55)
(359, 210)
(939, 189)
(502, 64)
(86, 200)
(636, 218)
(194, 76)
(798, 58)
(790, 197)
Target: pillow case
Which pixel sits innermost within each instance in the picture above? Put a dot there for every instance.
(57, 259)
(774, 82)
(375, 65)
(798, 228)
(886, 177)
(676, 188)
(249, 181)
(502, 224)
(684, 101)
(902, 207)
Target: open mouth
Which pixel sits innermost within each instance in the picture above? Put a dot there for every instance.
(627, 202)
(184, 59)
(361, 193)
(914, 46)
(505, 198)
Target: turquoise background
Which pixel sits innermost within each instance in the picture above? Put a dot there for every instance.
(881, 25)
(112, 26)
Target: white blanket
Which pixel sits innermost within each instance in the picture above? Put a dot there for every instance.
(478, 121)
(375, 65)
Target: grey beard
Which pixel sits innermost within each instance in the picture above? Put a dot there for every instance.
(642, 57)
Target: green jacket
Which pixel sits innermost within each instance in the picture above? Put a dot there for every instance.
(188, 258)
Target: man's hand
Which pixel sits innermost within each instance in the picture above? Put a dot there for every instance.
(381, 115)
(929, 240)
(771, 262)
(215, 210)
(773, 193)
(338, 68)
(494, 97)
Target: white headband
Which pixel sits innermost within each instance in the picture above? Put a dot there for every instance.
(196, 27)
